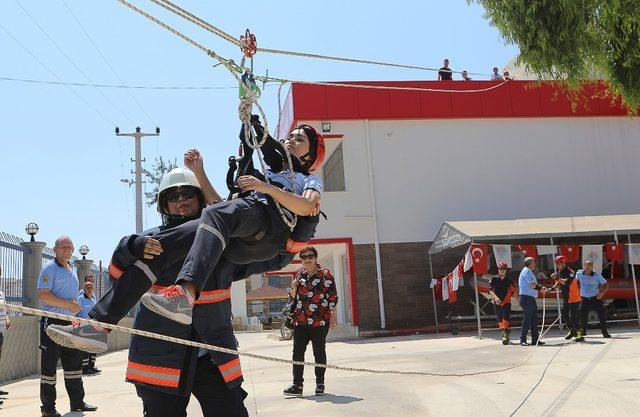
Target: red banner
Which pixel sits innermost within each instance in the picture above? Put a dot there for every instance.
(528, 250)
(453, 294)
(480, 256)
(571, 252)
(614, 251)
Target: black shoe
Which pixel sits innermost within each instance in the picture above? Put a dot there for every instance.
(293, 391)
(319, 389)
(96, 370)
(3, 392)
(606, 334)
(524, 344)
(571, 335)
(87, 371)
(538, 343)
(84, 407)
(50, 413)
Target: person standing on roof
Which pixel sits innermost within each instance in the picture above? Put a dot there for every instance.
(445, 73)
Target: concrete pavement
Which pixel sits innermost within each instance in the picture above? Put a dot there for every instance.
(598, 378)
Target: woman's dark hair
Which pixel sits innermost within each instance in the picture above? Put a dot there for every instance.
(309, 248)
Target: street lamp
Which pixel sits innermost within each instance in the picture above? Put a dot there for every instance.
(31, 230)
(84, 249)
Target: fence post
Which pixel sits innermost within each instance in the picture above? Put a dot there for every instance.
(31, 267)
(84, 269)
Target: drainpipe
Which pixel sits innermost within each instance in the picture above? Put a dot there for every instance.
(367, 135)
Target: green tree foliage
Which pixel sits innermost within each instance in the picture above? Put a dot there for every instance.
(573, 40)
(160, 167)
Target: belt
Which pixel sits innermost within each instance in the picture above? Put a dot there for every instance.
(591, 298)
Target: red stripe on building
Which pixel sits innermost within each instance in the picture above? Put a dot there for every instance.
(512, 99)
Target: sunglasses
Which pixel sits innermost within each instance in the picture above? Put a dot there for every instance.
(186, 194)
(305, 257)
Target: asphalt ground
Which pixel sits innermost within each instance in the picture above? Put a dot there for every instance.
(600, 377)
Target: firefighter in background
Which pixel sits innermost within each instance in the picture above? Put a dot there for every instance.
(565, 277)
(502, 289)
(166, 374)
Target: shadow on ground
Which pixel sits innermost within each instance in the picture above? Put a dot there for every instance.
(334, 399)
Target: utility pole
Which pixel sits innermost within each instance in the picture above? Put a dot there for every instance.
(137, 135)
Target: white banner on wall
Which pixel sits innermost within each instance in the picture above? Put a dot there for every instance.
(502, 253)
(593, 253)
(634, 253)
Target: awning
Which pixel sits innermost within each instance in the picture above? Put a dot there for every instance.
(267, 292)
(453, 233)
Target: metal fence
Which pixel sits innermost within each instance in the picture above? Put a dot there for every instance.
(11, 264)
(47, 255)
(101, 280)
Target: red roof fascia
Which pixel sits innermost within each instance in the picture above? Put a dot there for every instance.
(513, 99)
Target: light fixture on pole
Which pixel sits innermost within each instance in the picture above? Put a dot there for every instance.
(84, 249)
(31, 230)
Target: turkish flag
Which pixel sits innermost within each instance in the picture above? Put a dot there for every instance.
(614, 251)
(571, 252)
(453, 294)
(480, 256)
(528, 250)
(438, 289)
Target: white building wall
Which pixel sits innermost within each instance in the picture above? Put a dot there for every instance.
(429, 171)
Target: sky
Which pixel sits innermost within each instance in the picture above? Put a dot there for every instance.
(60, 159)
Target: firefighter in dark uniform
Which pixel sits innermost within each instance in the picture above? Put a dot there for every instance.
(136, 263)
(565, 277)
(501, 288)
(57, 292)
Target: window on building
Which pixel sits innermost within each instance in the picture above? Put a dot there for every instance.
(333, 172)
(279, 281)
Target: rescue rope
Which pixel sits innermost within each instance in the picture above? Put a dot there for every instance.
(168, 5)
(144, 333)
(544, 372)
(230, 64)
(244, 109)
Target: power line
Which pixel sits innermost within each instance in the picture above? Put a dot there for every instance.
(168, 5)
(71, 61)
(60, 80)
(234, 68)
(134, 87)
(106, 60)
